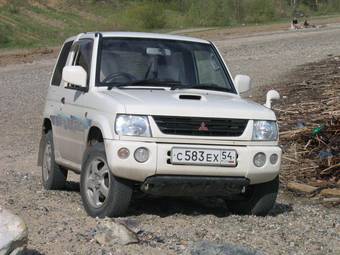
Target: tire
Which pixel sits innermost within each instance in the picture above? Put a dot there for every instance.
(258, 200)
(103, 195)
(53, 176)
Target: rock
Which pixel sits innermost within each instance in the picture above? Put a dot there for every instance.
(301, 188)
(13, 234)
(330, 192)
(208, 248)
(109, 232)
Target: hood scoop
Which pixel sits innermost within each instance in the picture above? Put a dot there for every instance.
(190, 97)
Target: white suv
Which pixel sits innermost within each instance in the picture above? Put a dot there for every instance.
(159, 114)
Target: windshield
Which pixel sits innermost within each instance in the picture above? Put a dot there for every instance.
(157, 62)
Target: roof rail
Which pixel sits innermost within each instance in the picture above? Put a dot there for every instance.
(98, 34)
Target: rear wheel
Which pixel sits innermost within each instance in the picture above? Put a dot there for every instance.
(53, 176)
(258, 200)
(103, 195)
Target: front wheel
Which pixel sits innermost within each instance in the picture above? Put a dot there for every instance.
(53, 176)
(103, 195)
(258, 200)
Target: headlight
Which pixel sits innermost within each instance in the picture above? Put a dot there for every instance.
(265, 130)
(132, 125)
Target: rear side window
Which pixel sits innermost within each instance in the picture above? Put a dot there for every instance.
(56, 80)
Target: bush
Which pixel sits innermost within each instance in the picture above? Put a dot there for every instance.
(258, 11)
(145, 15)
(4, 37)
(209, 13)
(13, 9)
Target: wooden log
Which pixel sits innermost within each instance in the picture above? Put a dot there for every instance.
(301, 188)
(330, 192)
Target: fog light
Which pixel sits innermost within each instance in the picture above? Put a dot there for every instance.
(123, 153)
(273, 158)
(259, 159)
(141, 155)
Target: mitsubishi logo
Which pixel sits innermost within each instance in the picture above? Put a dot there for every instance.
(203, 127)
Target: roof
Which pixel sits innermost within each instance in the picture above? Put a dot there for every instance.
(153, 36)
(147, 35)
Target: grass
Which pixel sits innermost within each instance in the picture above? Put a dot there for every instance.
(38, 23)
(29, 26)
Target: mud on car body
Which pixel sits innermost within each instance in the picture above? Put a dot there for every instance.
(160, 114)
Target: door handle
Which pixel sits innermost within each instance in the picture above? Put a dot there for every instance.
(62, 100)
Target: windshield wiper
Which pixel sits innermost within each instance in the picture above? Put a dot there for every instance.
(204, 86)
(147, 83)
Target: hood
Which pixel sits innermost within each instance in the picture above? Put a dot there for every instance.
(193, 103)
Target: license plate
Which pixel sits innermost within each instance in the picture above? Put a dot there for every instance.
(215, 157)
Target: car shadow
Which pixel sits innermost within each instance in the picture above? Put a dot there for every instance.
(72, 186)
(167, 206)
(280, 208)
(31, 252)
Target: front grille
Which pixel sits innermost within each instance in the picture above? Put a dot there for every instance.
(196, 126)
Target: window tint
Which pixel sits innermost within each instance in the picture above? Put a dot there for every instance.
(61, 63)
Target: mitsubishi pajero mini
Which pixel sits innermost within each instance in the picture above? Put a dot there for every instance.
(159, 114)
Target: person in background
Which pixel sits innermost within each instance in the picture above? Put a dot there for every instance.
(306, 24)
(295, 24)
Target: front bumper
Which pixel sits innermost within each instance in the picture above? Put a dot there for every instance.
(158, 163)
(201, 186)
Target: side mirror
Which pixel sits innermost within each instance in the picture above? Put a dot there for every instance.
(271, 96)
(75, 75)
(242, 83)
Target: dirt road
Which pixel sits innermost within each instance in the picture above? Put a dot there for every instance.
(268, 57)
(57, 222)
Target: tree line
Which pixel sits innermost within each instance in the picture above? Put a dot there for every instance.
(192, 13)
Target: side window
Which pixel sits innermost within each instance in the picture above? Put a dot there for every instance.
(208, 68)
(83, 55)
(56, 79)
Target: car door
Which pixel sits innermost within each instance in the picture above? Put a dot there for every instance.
(74, 107)
(55, 93)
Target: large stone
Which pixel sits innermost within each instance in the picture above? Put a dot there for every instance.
(110, 232)
(13, 233)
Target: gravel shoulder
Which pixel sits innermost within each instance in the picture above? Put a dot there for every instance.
(57, 222)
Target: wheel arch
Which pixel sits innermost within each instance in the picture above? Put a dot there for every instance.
(94, 134)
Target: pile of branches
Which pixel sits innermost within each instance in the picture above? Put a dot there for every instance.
(309, 120)
(312, 155)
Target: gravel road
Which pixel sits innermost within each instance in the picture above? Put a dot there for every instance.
(268, 57)
(58, 224)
